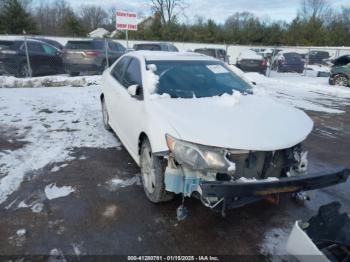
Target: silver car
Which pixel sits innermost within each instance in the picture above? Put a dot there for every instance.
(90, 55)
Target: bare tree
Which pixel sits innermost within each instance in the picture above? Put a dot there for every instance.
(50, 17)
(93, 16)
(314, 9)
(168, 10)
(112, 11)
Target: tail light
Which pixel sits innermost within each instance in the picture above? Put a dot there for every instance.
(91, 53)
(264, 62)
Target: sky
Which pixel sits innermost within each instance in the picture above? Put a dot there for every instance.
(217, 10)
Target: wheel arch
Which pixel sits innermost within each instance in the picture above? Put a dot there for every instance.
(142, 137)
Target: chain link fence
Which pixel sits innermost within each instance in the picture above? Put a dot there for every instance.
(306, 61)
(28, 56)
(25, 56)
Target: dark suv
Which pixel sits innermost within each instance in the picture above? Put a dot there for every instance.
(49, 41)
(288, 62)
(44, 58)
(317, 57)
(90, 55)
(156, 47)
(340, 72)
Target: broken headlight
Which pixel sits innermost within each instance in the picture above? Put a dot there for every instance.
(199, 157)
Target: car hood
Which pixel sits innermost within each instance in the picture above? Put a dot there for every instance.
(248, 122)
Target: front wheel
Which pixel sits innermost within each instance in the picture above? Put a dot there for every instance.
(152, 175)
(341, 80)
(105, 116)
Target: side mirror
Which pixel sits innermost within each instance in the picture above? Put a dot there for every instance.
(135, 90)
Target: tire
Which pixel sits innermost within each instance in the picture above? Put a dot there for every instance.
(105, 116)
(341, 80)
(74, 73)
(152, 175)
(278, 69)
(23, 70)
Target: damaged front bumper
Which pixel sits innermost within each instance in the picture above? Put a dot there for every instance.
(225, 189)
(222, 195)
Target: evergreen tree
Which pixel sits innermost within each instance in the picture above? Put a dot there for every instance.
(15, 19)
(73, 26)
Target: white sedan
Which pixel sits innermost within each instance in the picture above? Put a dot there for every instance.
(197, 129)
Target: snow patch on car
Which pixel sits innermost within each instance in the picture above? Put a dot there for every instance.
(254, 180)
(151, 79)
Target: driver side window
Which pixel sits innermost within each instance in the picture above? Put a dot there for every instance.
(119, 69)
(132, 75)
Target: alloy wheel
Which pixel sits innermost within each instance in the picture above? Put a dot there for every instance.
(147, 170)
(341, 81)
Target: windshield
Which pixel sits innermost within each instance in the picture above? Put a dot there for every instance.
(188, 79)
(85, 45)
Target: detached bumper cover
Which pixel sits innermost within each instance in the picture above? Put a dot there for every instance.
(224, 189)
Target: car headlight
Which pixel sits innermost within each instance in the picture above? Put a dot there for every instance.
(199, 157)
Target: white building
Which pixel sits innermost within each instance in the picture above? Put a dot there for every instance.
(98, 33)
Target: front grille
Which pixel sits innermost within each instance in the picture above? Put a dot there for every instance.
(258, 164)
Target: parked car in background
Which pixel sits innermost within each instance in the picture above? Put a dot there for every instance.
(155, 47)
(316, 57)
(271, 52)
(44, 58)
(214, 52)
(250, 61)
(317, 70)
(50, 41)
(340, 71)
(286, 61)
(82, 56)
(244, 148)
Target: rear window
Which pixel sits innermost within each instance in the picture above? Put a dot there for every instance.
(151, 47)
(85, 45)
(208, 52)
(6, 44)
(292, 55)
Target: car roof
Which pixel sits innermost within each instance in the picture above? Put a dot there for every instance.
(164, 56)
(150, 43)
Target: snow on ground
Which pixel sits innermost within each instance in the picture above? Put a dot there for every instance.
(49, 81)
(50, 122)
(274, 244)
(117, 182)
(52, 191)
(309, 93)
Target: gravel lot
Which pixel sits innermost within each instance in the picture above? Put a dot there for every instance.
(68, 187)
